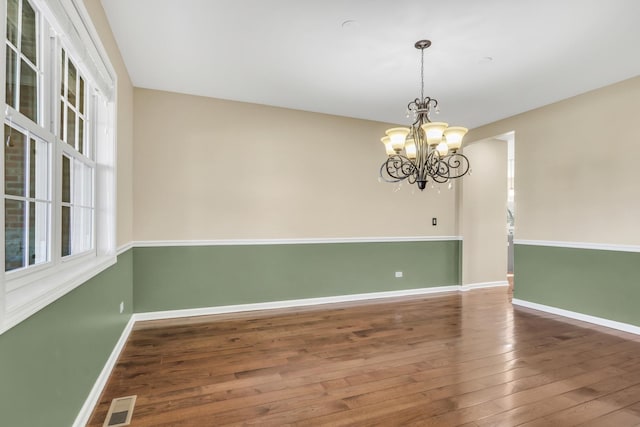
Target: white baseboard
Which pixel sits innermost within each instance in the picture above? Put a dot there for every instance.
(170, 314)
(85, 412)
(580, 245)
(626, 327)
(473, 286)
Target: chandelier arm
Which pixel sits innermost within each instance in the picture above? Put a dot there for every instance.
(397, 168)
(459, 163)
(441, 179)
(386, 177)
(440, 171)
(432, 162)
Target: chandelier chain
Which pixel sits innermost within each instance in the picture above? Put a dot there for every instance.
(422, 74)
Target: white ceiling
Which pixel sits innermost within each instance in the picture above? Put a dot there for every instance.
(490, 59)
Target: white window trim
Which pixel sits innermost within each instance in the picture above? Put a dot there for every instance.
(41, 285)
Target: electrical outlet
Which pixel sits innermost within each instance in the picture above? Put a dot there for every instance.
(121, 307)
(398, 274)
(434, 221)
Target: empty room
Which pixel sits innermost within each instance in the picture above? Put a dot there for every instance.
(320, 213)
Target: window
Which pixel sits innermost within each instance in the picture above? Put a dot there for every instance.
(77, 164)
(21, 81)
(27, 200)
(58, 157)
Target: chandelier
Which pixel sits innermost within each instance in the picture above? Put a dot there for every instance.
(427, 150)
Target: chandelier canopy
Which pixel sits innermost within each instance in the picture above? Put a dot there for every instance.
(427, 150)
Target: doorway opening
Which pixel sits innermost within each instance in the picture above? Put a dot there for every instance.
(486, 212)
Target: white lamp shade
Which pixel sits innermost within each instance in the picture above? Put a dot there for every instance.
(454, 136)
(433, 132)
(397, 137)
(387, 145)
(410, 148)
(442, 149)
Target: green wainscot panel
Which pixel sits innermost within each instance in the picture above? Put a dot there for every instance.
(50, 361)
(181, 277)
(595, 282)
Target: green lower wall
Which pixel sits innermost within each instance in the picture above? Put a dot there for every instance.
(598, 283)
(50, 362)
(179, 277)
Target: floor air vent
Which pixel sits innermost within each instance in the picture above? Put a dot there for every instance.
(120, 412)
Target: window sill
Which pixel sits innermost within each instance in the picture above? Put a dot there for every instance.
(22, 302)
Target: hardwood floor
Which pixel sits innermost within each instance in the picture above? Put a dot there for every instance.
(454, 359)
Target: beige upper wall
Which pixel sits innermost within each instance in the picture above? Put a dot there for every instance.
(576, 167)
(212, 169)
(124, 137)
(206, 169)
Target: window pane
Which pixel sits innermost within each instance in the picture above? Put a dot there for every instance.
(81, 226)
(32, 168)
(28, 47)
(66, 179)
(66, 231)
(62, 110)
(12, 21)
(39, 169)
(32, 234)
(71, 127)
(14, 233)
(82, 187)
(87, 228)
(81, 136)
(11, 78)
(28, 91)
(38, 233)
(71, 84)
(62, 73)
(14, 162)
(81, 101)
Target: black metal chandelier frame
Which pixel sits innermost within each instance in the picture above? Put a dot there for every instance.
(429, 163)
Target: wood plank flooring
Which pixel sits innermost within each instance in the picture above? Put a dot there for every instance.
(453, 359)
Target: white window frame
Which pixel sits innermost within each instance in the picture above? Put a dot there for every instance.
(25, 291)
